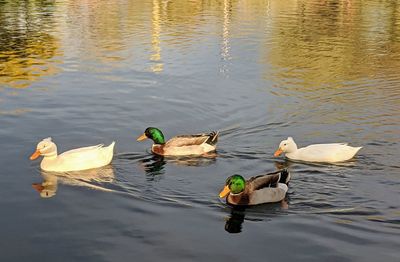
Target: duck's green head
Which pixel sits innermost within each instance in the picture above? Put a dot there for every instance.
(234, 184)
(154, 134)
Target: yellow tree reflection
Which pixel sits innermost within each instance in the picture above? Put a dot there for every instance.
(329, 42)
(225, 45)
(155, 38)
(27, 50)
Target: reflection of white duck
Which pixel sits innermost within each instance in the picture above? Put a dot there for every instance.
(49, 186)
(328, 153)
(73, 160)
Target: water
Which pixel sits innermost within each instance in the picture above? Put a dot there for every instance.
(89, 72)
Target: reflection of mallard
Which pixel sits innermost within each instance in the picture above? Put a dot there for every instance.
(234, 223)
(203, 160)
(49, 186)
(261, 189)
(180, 145)
(154, 165)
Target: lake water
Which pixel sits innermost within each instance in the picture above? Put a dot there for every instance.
(89, 72)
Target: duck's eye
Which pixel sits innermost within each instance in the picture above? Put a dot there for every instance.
(285, 144)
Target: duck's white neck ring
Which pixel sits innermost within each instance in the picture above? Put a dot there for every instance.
(238, 194)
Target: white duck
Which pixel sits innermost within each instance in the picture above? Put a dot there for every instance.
(328, 153)
(74, 160)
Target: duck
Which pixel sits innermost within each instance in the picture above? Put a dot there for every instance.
(327, 153)
(267, 188)
(73, 160)
(181, 145)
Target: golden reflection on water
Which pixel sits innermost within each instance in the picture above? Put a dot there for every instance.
(98, 30)
(225, 46)
(320, 43)
(27, 51)
(304, 45)
(155, 41)
(341, 58)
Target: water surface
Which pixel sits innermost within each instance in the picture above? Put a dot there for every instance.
(89, 72)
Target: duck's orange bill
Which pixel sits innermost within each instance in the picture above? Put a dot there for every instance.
(142, 137)
(35, 155)
(38, 187)
(278, 152)
(224, 192)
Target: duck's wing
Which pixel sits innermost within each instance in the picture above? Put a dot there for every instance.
(262, 181)
(325, 151)
(84, 154)
(269, 194)
(270, 179)
(324, 147)
(193, 140)
(82, 150)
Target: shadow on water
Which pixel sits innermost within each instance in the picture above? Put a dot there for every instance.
(204, 160)
(137, 172)
(154, 165)
(238, 214)
(93, 179)
(234, 222)
(286, 163)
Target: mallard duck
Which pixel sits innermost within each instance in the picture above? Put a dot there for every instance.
(74, 160)
(328, 153)
(181, 145)
(261, 189)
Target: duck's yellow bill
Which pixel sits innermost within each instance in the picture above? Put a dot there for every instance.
(142, 137)
(224, 192)
(278, 152)
(35, 155)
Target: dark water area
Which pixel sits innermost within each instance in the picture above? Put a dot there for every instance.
(90, 72)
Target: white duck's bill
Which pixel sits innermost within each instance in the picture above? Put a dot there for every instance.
(35, 155)
(278, 152)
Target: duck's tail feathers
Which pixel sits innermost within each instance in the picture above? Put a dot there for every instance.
(111, 146)
(356, 149)
(212, 138)
(284, 177)
(109, 152)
